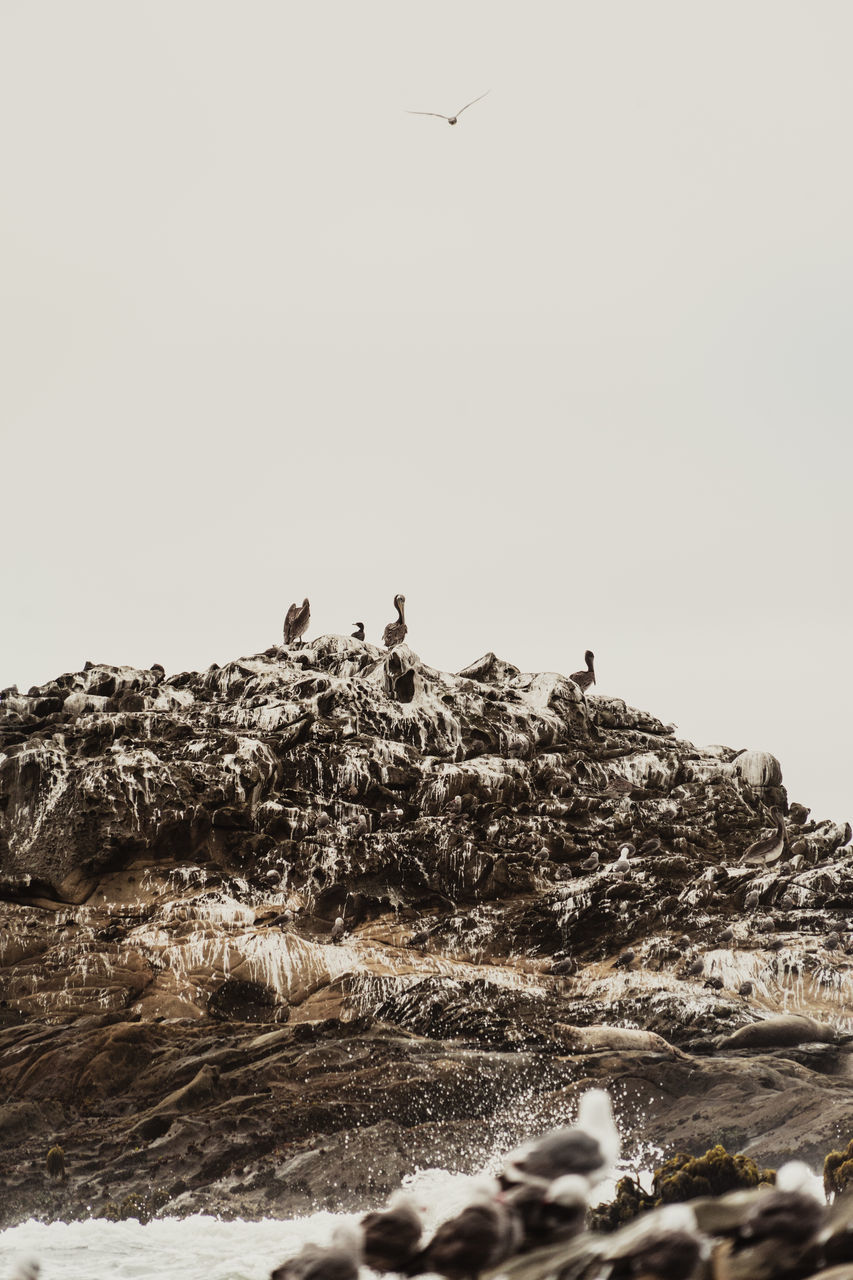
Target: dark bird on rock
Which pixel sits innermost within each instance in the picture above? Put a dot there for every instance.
(752, 899)
(695, 967)
(338, 929)
(625, 959)
(482, 1236)
(358, 634)
(392, 1236)
(589, 1148)
(727, 934)
(395, 632)
(583, 679)
(296, 622)
(662, 1245)
(30, 1270)
(649, 846)
(760, 1228)
(715, 984)
(562, 968)
(55, 1163)
(450, 119)
(832, 942)
(336, 1261)
(745, 989)
(549, 1213)
(768, 849)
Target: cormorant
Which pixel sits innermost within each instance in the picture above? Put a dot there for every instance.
(358, 634)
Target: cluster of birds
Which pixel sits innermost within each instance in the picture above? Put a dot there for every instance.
(540, 1197)
(298, 616)
(539, 1201)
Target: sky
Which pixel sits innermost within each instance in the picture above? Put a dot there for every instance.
(574, 373)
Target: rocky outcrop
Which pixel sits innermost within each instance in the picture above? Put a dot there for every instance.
(174, 852)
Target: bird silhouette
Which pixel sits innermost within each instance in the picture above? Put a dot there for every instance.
(449, 119)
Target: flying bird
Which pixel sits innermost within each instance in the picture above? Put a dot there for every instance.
(449, 119)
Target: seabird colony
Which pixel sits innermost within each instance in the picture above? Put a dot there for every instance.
(539, 1201)
(298, 617)
(539, 1197)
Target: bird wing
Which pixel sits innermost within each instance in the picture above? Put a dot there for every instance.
(471, 103)
(437, 114)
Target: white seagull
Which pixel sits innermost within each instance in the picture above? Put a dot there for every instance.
(449, 119)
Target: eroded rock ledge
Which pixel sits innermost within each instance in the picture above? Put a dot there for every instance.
(174, 851)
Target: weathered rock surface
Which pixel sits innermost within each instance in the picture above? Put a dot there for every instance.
(174, 852)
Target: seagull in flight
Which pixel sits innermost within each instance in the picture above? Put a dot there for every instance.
(449, 119)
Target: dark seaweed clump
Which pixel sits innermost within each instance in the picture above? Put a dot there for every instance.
(684, 1177)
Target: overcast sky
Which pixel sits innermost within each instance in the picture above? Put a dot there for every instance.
(575, 373)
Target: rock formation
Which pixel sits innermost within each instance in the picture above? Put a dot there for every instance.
(175, 850)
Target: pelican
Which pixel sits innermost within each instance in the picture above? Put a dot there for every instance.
(768, 849)
(395, 632)
(296, 621)
(358, 634)
(449, 119)
(583, 679)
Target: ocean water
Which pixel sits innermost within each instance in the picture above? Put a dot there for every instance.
(199, 1247)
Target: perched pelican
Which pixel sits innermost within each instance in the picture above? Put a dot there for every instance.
(768, 849)
(395, 632)
(296, 622)
(583, 679)
(358, 634)
(449, 119)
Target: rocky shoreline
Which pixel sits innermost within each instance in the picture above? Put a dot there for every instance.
(175, 850)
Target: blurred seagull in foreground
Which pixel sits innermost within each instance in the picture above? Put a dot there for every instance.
(589, 1148)
(449, 119)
